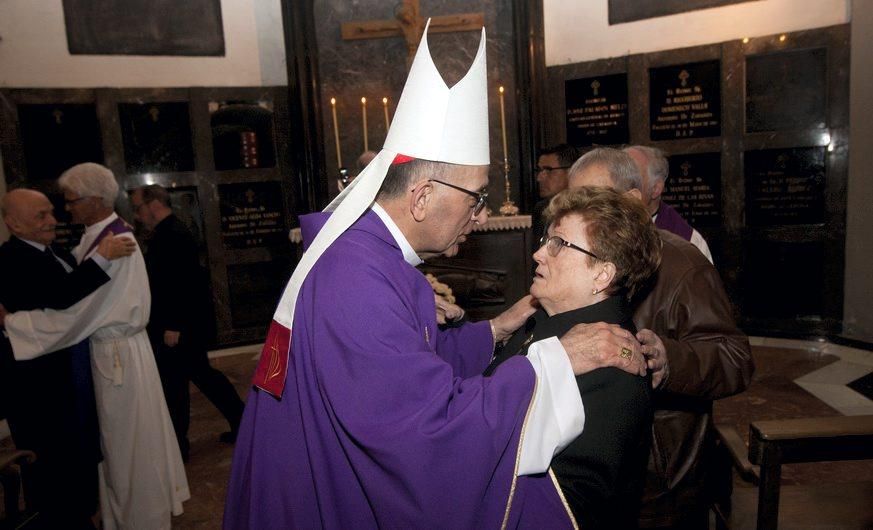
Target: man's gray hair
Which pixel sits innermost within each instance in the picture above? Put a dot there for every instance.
(619, 166)
(91, 180)
(656, 163)
(400, 177)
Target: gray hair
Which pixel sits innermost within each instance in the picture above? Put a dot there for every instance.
(619, 165)
(656, 163)
(91, 180)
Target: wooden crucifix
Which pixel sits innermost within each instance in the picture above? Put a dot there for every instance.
(409, 24)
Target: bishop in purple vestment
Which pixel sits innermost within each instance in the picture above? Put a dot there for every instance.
(365, 413)
(385, 420)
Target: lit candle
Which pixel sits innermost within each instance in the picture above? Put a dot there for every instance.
(364, 114)
(385, 108)
(339, 156)
(503, 127)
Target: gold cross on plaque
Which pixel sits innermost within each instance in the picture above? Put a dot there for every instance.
(683, 76)
(409, 24)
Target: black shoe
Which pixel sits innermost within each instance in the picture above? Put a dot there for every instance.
(228, 437)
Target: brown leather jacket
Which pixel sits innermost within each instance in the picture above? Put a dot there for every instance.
(708, 358)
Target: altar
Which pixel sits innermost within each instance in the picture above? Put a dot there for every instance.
(491, 271)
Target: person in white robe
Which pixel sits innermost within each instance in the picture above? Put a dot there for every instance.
(142, 477)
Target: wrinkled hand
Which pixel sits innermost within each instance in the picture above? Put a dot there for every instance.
(113, 247)
(592, 346)
(447, 311)
(505, 324)
(171, 338)
(656, 355)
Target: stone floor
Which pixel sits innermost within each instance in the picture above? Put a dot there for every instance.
(793, 379)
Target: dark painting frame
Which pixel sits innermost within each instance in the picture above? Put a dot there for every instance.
(621, 11)
(144, 27)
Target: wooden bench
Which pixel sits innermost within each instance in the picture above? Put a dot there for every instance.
(777, 442)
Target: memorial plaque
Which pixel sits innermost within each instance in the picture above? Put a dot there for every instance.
(784, 280)
(694, 188)
(254, 290)
(252, 215)
(786, 90)
(785, 186)
(242, 134)
(157, 137)
(57, 137)
(597, 110)
(144, 27)
(685, 101)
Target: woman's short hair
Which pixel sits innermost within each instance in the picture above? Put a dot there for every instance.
(619, 231)
(91, 180)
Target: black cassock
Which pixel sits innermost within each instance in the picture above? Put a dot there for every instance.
(181, 301)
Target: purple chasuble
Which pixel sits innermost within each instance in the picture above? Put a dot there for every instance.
(384, 420)
(669, 219)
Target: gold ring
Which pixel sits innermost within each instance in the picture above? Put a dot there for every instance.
(625, 353)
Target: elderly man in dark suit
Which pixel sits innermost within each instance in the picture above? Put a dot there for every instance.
(49, 401)
(180, 323)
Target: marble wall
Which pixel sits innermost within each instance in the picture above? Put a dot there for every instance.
(376, 68)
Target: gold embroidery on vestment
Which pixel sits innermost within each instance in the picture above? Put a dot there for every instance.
(563, 499)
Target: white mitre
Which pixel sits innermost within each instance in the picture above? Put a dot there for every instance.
(432, 122)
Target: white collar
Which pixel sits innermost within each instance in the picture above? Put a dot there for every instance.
(408, 252)
(97, 227)
(34, 244)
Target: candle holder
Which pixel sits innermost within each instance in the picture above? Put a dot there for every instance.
(342, 179)
(508, 208)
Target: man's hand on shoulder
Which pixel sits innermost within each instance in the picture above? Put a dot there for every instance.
(592, 346)
(505, 324)
(113, 247)
(656, 355)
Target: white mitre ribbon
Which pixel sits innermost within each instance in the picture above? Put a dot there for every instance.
(432, 122)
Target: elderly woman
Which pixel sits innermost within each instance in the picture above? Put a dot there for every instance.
(599, 251)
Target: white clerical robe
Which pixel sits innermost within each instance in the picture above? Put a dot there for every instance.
(142, 477)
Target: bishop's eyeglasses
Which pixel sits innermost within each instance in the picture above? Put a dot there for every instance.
(480, 196)
(554, 244)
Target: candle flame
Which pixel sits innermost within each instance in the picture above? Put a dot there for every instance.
(384, 101)
(364, 101)
(501, 90)
(333, 101)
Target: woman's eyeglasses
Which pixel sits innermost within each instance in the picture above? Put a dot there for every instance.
(554, 244)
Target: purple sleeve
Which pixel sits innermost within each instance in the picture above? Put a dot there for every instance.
(468, 349)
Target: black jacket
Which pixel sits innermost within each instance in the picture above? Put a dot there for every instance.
(38, 395)
(601, 473)
(180, 295)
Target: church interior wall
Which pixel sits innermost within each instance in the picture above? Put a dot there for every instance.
(568, 42)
